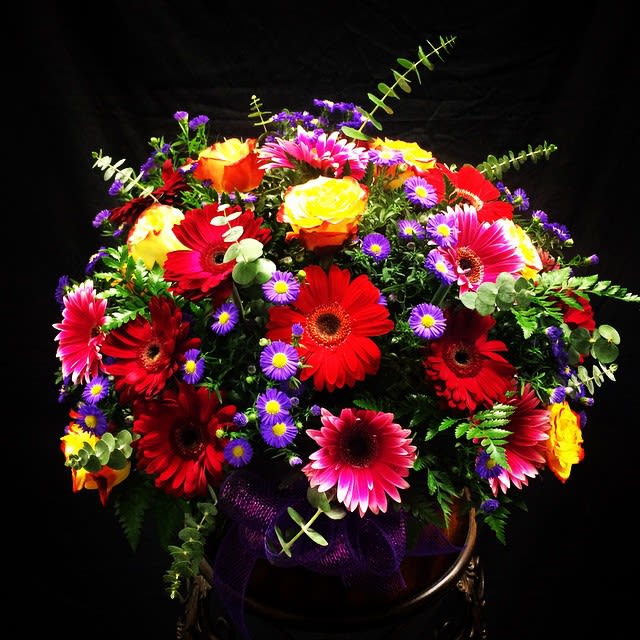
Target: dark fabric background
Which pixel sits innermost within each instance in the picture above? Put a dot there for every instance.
(89, 76)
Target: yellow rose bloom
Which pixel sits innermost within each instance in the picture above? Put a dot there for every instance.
(416, 159)
(532, 260)
(564, 446)
(152, 237)
(324, 212)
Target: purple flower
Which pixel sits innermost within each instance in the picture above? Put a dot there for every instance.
(486, 468)
(420, 192)
(283, 288)
(238, 452)
(273, 406)
(279, 360)
(193, 368)
(442, 229)
(439, 265)
(280, 433)
(410, 230)
(376, 245)
(194, 123)
(92, 419)
(427, 321)
(225, 318)
(96, 389)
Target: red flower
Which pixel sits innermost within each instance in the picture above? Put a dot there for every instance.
(464, 365)
(200, 271)
(582, 317)
(338, 316)
(178, 442)
(147, 353)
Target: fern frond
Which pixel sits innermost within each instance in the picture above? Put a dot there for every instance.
(494, 168)
(256, 113)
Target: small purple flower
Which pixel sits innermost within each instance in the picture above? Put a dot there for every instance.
(94, 259)
(410, 230)
(315, 410)
(280, 433)
(96, 389)
(92, 419)
(61, 289)
(101, 216)
(279, 360)
(297, 330)
(539, 216)
(376, 245)
(558, 395)
(489, 505)
(194, 123)
(273, 406)
(427, 321)
(115, 188)
(240, 419)
(442, 229)
(282, 288)
(520, 199)
(193, 367)
(238, 452)
(181, 115)
(437, 263)
(420, 192)
(225, 318)
(486, 468)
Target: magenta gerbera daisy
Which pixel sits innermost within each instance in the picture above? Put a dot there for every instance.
(79, 334)
(483, 250)
(526, 446)
(465, 366)
(179, 443)
(364, 455)
(146, 353)
(339, 316)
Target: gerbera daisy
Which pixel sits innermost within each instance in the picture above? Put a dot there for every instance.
(79, 334)
(483, 251)
(476, 190)
(200, 270)
(364, 454)
(526, 445)
(339, 316)
(147, 353)
(464, 364)
(178, 444)
(330, 154)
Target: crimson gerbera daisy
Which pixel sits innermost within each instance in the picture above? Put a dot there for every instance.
(476, 190)
(178, 441)
(148, 352)
(338, 316)
(364, 454)
(79, 335)
(199, 271)
(526, 446)
(482, 250)
(464, 365)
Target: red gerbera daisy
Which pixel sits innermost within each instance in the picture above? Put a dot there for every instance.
(365, 455)
(178, 443)
(338, 316)
(79, 336)
(148, 352)
(464, 365)
(200, 271)
(526, 446)
(480, 193)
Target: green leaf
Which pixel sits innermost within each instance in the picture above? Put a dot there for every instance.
(316, 537)
(244, 272)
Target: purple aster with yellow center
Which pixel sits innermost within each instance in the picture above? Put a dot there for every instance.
(420, 192)
(427, 321)
(193, 367)
(410, 230)
(376, 245)
(238, 452)
(487, 468)
(96, 389)
(273, 406)
(442, 229)
(225, 318)
(282, 288)
(279, 360)
(280, 433)
(439, 265)
(92, 419)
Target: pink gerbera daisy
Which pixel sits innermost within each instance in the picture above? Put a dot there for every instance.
(364, 455)
(80, 336)
(483, 250)
(330, 154)
(526, 446)
(338, 316)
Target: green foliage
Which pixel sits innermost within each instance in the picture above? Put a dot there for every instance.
(494, 168)
(110, 451)
(131, 505)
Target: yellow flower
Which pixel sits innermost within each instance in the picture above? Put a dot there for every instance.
(417, 160)
(564, 446)
(532, 260)
(152, 237)
(324, 212)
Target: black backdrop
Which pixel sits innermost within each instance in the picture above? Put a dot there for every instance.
(108, 76)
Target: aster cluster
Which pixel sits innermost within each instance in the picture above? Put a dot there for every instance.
(322, 306)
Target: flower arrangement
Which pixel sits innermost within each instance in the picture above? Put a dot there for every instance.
(320, 332)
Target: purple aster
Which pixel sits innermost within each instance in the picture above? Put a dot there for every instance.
(297, 330)
(279, 360)
(410, 230)
(442, 229)
(273, 406)
(96, 389)
(61, 289)
(283, 288)
(385, 157)
(376, 245)
(198, 121)
(280, 433)
(315, 409)
(92, 419)
(539, 216)
(101, 216)
(593, 259)
(559, 231)
(181, 115)
(193, 367)
(238, 452)
(558, 395)
(240, 419)
(520, 199)
(486, 468)
(490, 505)
(148, 165)
(94, 259)
(115, 188)
(420, 192)
(553, 333)
(439, 265)
(225, 318)
(427, 321)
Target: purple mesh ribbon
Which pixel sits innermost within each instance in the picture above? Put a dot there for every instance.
(363, 551)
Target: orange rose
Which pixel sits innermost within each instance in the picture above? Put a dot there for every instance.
(231, 165)
(564, 446)
(324, 212)
(417, 160)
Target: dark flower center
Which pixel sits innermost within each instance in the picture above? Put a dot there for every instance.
(470, 264)
(471, 198)
(152, 357)
(358, 446)
(212, 259)
(188, 440)
(329, 325)
(463, 359)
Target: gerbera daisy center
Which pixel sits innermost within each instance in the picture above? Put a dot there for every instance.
(461, 358)
(358, 447)
(187, 440)
(470, 265)
(329, 325)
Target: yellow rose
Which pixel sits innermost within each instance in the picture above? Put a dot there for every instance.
(416, 159)
(564, 446)
(231, 165)
(151, 237)
(532, 261)
(324, 212)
